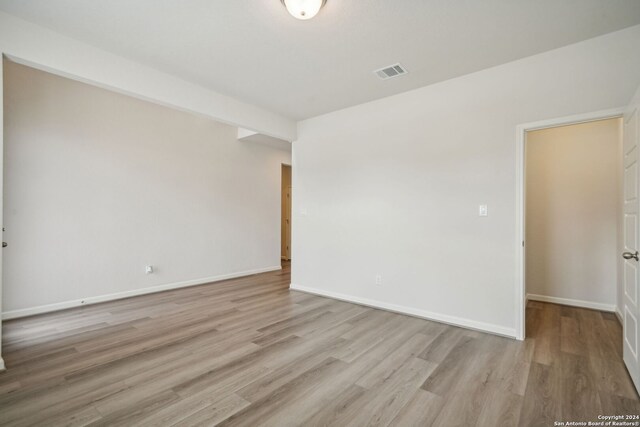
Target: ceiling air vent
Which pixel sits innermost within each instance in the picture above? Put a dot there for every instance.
(391, 71)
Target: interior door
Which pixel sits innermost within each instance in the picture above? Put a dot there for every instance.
(630, 312)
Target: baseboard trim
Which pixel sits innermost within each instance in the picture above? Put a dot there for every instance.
(2, 365)
(442, 318)
(14, 314)
(573, 302)
(619, 315)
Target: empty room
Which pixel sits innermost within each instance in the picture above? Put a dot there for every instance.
(320, 213)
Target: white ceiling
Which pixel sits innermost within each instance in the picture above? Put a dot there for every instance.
(255, 51)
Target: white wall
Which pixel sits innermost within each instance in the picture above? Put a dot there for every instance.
(572, 213)
(99, 184)
(392, 187)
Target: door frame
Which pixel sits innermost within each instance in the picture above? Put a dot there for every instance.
(2, 56)
(521, 135)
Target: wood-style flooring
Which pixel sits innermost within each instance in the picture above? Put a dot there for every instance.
(251, 352)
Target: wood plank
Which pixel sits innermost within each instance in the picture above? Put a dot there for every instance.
(542, 405)
(257, 411)
(421, 410)
(579, 389)
(338, 408)
(214, 413)
(451, 370)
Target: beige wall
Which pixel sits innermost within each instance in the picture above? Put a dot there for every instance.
(572, 211)
(98, 185)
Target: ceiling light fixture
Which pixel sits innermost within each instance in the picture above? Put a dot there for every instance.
(303, 9)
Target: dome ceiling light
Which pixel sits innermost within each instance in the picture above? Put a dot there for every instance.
(303, 9)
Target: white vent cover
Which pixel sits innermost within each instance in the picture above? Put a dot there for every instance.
(391, 71)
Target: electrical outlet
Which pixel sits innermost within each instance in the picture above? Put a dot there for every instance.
(148, 269)
(379, 279)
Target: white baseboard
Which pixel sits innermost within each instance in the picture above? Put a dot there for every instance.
(14, 314)
(443, 318)
(2, 366)
(573, 302)
(619, 315)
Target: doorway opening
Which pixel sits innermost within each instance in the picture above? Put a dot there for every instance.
(572, 223)
(565, 211)
(572, 214)
(285, 223)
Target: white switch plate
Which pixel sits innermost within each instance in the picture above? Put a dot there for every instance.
(148, 269)
(483, 210)
(379, 279)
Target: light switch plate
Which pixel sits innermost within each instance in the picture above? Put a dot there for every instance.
(483, 210)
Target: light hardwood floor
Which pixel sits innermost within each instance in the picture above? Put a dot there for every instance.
(251, 352)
